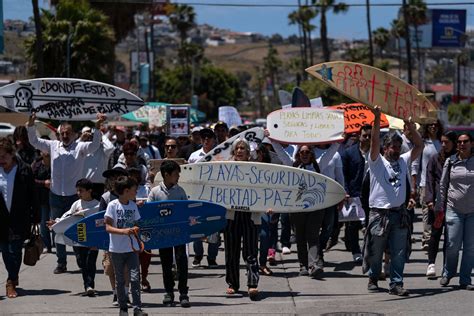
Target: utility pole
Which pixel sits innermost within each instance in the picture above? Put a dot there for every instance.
(371, 47)
(407, 40)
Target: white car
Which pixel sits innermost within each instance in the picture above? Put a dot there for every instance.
(6, 129)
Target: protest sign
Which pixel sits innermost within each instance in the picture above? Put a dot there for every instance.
(357, 115)
(230, 116)
(352, 211)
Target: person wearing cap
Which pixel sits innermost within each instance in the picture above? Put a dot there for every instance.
(195, 144)
(148, 148)
(208, 142)
(67, 164)
(222, 131)
(111, 175)
(96, 163)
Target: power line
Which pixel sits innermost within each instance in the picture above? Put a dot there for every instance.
(268, 5)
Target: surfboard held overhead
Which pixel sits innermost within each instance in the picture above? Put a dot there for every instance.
(68, 99)
(372, 86)
(306, 125)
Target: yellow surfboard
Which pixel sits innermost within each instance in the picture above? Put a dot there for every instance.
(372, 86)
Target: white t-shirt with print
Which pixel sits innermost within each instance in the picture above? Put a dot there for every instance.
(388, 181)
(123, 216)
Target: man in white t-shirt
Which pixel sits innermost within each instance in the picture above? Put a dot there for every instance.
(389, 222)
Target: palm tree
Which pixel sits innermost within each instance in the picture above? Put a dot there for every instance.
(381, 38)
(323, 7)
(369, 28)
(398, 32)
(295, 18)
(91, 42)
(182, 18)
(307, 14)
(39, 42)
(416, 16)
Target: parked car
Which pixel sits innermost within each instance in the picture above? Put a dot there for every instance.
(6, 129)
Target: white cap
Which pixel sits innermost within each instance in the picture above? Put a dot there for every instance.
(86, 129)
(196, 129)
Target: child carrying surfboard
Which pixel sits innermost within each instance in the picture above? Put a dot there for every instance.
(169, 189)
(120, 218)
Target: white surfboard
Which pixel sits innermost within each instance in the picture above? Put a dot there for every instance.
(304, 125)
(61, 226)
(68, 99)
(222, 152)
(256, 187)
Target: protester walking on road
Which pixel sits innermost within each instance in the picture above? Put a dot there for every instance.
(17, 213)
(456, 201)
(389, 221)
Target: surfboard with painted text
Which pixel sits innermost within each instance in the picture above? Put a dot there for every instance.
(305, 125)
(60, 227)
(257, 187)
(68, 99)
(222, 152)
(163, 224)
(372, 86)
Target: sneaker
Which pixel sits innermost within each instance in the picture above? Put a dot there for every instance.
(315, 271)
(114, 300)
(184, 301)
(90, 292)
(168, 299)
(60, 269)
(444, 281)
(468, 287)
(212, 263)
(398, 290)
(129, 303)
(139, 312)
(372, 286)
(304, 271)
(123, 312)
(286, 251)
(196, 263)
(431, 271)
(357, 257)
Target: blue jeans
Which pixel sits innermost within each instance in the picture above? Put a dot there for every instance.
(121, 261)
(459, 232)
(396, 236)
(212, 250)
(60, 205)
(12, 254)
(45, 232)
(268, 237)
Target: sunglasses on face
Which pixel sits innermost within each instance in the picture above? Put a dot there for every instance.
(170, 146)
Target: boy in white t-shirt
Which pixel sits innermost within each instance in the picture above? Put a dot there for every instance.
(120, 217)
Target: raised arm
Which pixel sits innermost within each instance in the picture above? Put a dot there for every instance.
(375, 135)
(38, 143)
(417, 140)
(91, 147)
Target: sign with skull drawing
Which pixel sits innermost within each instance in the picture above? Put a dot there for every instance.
(67, 99)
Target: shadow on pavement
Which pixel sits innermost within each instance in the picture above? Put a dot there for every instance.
(42, 292)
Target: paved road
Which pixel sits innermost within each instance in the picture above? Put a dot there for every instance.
(342, 291)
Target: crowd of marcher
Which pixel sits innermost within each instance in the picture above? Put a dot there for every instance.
(111, 168)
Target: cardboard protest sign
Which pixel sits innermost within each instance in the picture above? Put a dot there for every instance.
(304, 125)
(372, 86)
(67, 99)
(357, 115)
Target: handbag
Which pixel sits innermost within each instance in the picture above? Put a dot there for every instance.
(34, 247)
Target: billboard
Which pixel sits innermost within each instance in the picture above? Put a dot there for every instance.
(449, 28)
(443, 28)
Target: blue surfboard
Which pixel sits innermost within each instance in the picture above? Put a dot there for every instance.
(162, 224)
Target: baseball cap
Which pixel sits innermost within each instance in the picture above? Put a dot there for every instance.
(115, 171)
(207, 132)
(221, 123)
(86, 129)
(196, 129)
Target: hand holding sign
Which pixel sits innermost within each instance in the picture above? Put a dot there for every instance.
(101, 118)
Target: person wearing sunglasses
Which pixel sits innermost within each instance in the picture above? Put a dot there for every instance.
(456, 203)
(171, 148)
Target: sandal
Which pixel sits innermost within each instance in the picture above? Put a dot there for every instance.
(253, 294)
(11, 291)
(146, 287)
(265, 270)
(230, 291)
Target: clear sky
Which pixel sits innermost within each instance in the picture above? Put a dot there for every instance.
(270, 20)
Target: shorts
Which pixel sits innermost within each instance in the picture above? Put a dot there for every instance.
(107, 264)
